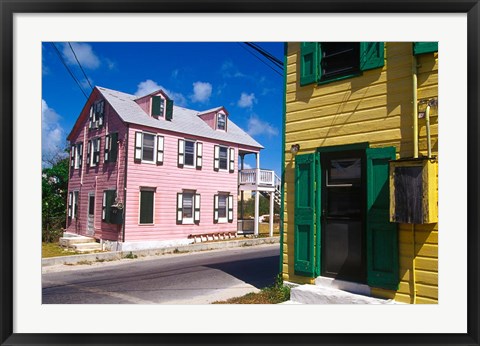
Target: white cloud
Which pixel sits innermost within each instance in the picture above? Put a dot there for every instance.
(148, 86)
(85, 55)
(246, 101)
(201, 92)
(53, 135)
(259, 127)
(246, 166)
(229, 70)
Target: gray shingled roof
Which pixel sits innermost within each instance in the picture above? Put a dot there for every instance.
(184, 120)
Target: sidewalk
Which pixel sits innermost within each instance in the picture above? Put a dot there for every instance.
(117, 255)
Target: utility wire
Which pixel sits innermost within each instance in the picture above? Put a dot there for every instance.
(266, 54)
(81, 68)
(261, 60)
(68, 69)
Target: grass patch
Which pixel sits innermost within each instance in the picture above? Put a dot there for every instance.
(131, 256)
(264, 229)
(55, 250)
(275, 294)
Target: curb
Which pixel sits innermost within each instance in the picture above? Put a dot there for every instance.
(117, 255)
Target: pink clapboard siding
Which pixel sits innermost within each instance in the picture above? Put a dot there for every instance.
(168, 180)
(210, 119)
(95, 180)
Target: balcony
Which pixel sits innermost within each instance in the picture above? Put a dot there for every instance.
(258, 179)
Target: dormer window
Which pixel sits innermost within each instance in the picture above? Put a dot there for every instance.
(96, 115)
(158, 106)
(221, 121)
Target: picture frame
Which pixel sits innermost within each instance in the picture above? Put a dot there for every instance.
(7, 174)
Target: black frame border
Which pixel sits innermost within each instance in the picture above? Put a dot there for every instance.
(7, 10)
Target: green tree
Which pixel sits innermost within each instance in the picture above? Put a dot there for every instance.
(54, 198)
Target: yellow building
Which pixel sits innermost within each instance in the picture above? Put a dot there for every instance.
(360, 160)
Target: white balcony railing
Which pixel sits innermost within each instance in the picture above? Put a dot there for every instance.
(265, 177)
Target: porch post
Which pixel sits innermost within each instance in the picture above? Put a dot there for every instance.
(272, 199)
(257, 196)
(242, 158)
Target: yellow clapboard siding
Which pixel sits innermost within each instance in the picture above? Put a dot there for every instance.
(427, 264)
(425, 300)
(427, 250)
(427, 291)
(426, 277)
(341, 118)
(347, 129)
(307, 139)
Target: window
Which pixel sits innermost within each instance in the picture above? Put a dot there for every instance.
(96, 115)
(330, 61)
(112, 211)
(93, 152)
(148, 148)
(146, 206)
(223, 208)
(76, 155)
(339, 59)
(188, 207)
(224, 158)
(221, 121)
(158, 106)
(111, 147)
(190, 153)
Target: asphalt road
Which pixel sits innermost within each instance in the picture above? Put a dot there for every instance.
(194, 278)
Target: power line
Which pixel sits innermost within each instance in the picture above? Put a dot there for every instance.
(68, 69)
(261, 60)
(266, 54)
(81, 68)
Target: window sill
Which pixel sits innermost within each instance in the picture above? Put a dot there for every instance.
(146, 224)
(335, 79)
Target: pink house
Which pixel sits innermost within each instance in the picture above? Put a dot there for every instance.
(145, 173)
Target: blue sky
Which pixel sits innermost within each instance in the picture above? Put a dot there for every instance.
(196, 75)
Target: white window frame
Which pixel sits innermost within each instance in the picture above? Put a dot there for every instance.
(95, 143)
(225, 121)
(194, 164)
(220, 159)
(223, 219)
(75, 195)
(154, 147)
(150, 189)
(189, 220)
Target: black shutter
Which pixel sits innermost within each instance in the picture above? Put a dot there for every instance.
(156, 105)
(89, 153)
(113, 147)
(169, 110)
(101, 112)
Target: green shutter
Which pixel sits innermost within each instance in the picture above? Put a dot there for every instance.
(156, 105)
(371, 55)
(309, 62)
(169, 110)
(113, 147)
(304, 214)
(424, 47)
(146, 206)
(382, 235)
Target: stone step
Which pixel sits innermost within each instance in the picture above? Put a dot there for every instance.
(83, 247)
(68, 241)
(312, 294)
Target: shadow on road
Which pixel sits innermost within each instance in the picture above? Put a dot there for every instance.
(258, 272)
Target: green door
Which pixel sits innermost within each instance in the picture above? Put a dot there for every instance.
(382, 235)
(304, 215)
